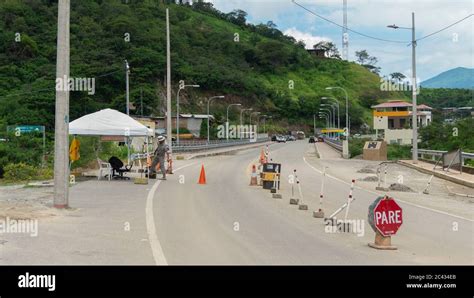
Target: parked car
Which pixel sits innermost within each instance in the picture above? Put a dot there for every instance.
(281, 139)
(291, 138)
(274, 138)
(311, 140)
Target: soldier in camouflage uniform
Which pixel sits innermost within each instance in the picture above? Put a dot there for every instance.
(160, 153)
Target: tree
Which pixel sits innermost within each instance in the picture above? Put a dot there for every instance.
(329, 47)
(238, 17)
(364, 59)
(397, 77)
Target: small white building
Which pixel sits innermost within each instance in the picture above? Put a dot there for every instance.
(393, 121)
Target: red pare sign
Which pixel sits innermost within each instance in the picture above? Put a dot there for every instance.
(388, 217)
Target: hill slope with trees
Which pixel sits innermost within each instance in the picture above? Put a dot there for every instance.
(253, 64)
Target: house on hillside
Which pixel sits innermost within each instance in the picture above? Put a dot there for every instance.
(317, 53)
(393, 121)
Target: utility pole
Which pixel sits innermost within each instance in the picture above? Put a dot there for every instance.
(141, 101)
(413, 88)
(314, 124)
(127, 86)
(127, 96)
(168, 84)
(345, 35)
(61, 131)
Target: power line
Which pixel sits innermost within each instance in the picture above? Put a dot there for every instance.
(449, 26)
(345, 27)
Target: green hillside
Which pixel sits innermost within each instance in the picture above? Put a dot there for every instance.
(255, 70)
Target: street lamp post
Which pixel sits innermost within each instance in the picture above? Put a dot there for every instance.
(413, 87)
(227, 123)
(240, 128)
(208, 115)
(250, 119)
(333, 107)
(338, 114)
(330, 117)
(264, 118)
(345, 143)
(177, 109)
(326, 117)
(321, 115)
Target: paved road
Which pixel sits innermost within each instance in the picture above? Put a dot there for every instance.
(229, 222)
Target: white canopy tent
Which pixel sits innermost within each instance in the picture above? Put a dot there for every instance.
(109, 122)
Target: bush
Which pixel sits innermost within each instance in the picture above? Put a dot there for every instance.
(395, 151)
(20, 172)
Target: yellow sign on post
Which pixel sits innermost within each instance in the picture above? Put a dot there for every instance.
(325, 130)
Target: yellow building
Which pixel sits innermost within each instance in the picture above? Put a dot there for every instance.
(393, 121)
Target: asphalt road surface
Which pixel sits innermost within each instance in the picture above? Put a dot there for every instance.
(227, 221)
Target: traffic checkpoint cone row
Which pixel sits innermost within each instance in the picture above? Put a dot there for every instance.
(320, 212)
(301, 206)
(344, 206)
(293, 200)
(253, 177)
(276, 184)
(202, 176)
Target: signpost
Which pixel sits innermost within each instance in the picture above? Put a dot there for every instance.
(21, 129)
(385, 218)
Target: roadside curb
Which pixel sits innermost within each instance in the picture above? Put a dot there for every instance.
(438, 174)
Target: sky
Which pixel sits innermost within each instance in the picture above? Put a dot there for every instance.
(449, 49)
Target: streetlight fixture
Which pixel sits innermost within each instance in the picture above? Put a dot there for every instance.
(345, 142)
(413, 87)
(338, 114)
(258, 121)
(321, 115)
(208, 116)
(241, 112)
(227, 123)
(330, 115)
(347, 107)
(250, 119)
(177, 109)
(333, 107)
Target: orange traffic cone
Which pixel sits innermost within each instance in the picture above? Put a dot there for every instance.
(202, 176)
(262, 157)
(253, 178)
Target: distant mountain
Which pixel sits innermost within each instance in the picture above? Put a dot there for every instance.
(459, 77)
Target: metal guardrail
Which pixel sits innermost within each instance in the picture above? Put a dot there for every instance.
(186, 146)
(336, 144)
(437, 153)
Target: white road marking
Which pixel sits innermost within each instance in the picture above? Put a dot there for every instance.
(379, 194)
(156, 248)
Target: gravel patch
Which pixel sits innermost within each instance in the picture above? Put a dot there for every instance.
(370, 179)
(400, 187)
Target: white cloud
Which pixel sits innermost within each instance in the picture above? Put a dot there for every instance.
(307, 38)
